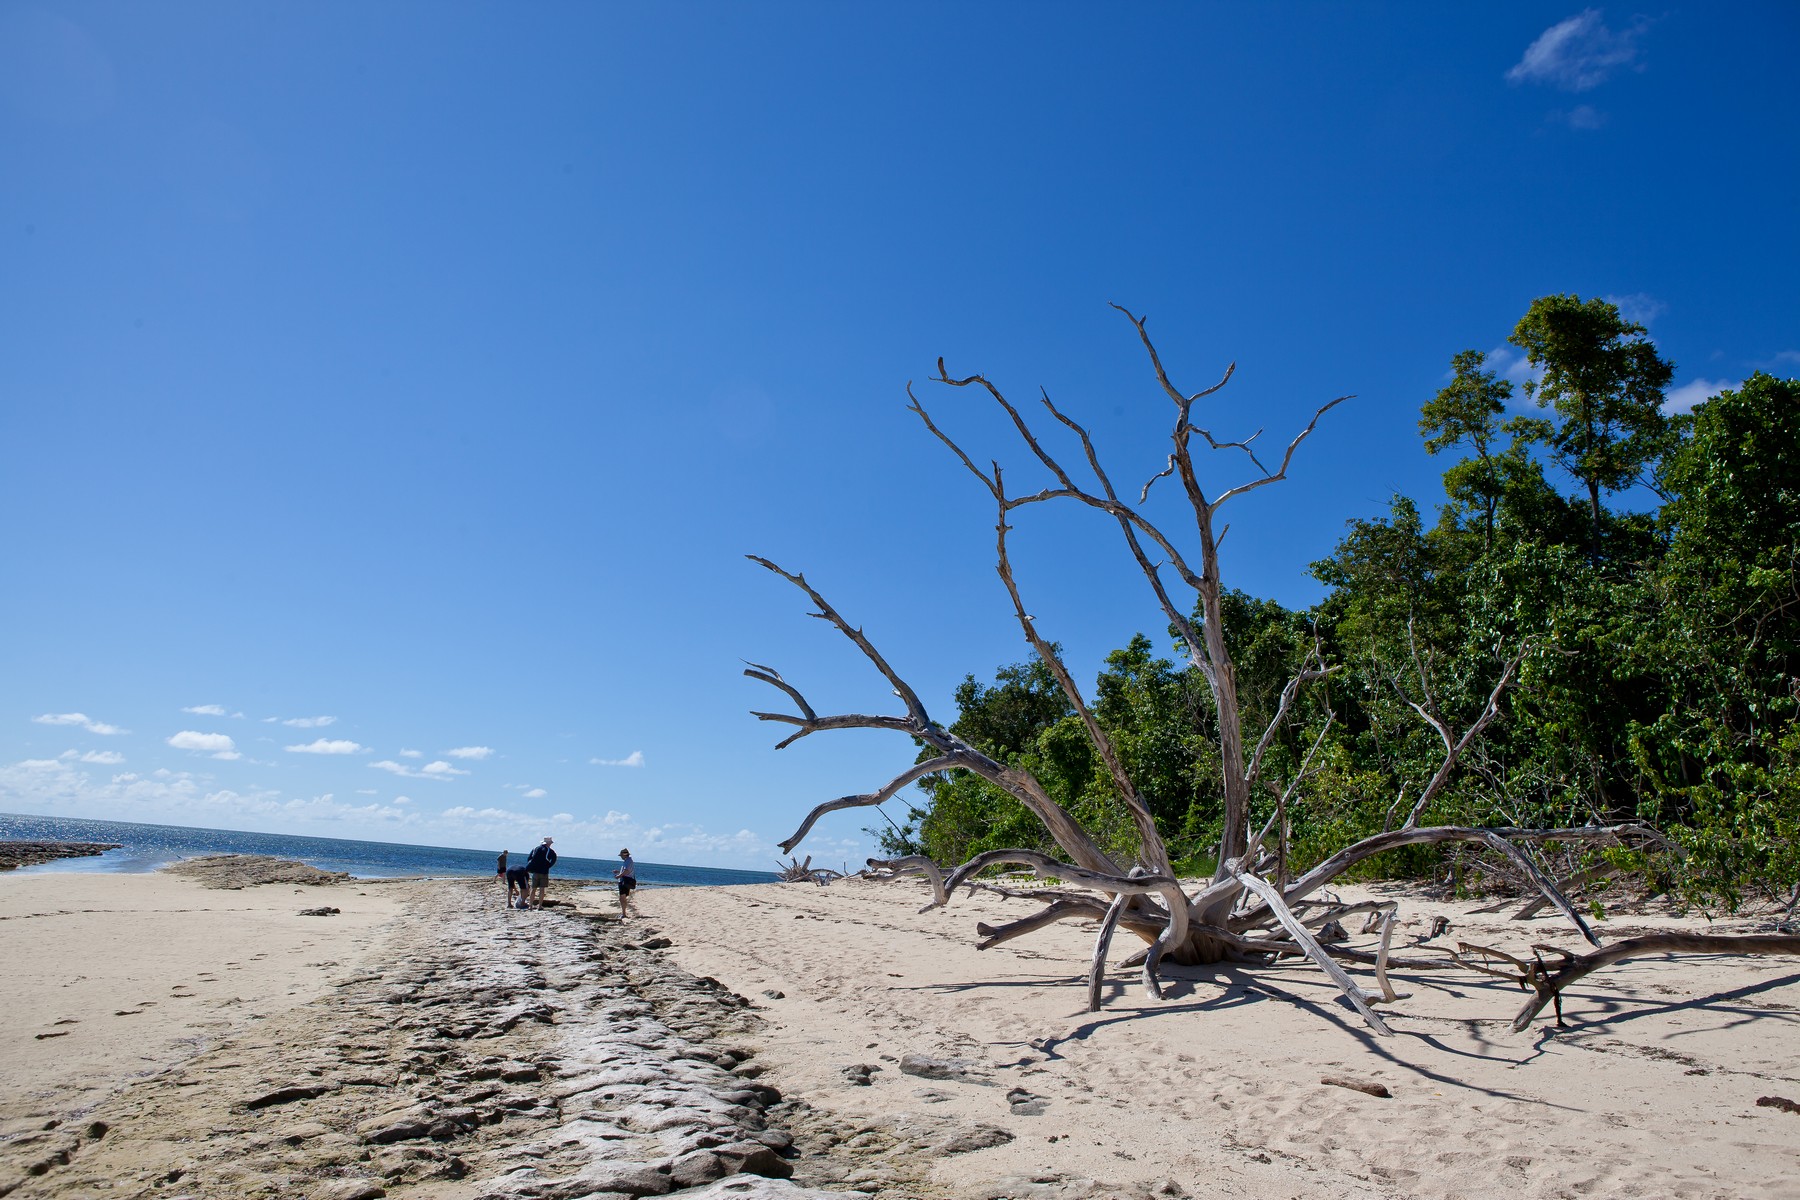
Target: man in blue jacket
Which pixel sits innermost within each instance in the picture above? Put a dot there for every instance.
(538, 864)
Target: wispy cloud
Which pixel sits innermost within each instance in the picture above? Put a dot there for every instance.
(432, 770)
(412, 754)
(1582, 116)
(535, 794)
(309, 722)
(634, 759)
(324, 746)
(1684, 398)
(219, 745)
(210, 710)
(1510, 363)
(81, 719)
(1639, 308)
(1580, 53)
(475, 752)
(106, 758)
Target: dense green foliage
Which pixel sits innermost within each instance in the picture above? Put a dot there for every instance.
(1659, 673)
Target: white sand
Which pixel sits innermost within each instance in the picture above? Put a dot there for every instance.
(109, 978)
(1651, 1090)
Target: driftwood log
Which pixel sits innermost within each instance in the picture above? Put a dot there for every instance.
(796, 871)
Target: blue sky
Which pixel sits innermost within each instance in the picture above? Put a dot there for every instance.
(392, 391)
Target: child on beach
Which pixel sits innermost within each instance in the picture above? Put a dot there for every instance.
(627, 877)
(500, 874)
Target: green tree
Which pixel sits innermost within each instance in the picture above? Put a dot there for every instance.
(1468, 413)
(1725, 752)
(1605, 380)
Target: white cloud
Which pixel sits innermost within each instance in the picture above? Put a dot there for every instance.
(475, 752)
(189, 739)
(1510, 363)
(206, 710)
(228, 755)
(309, 722)
(432, 770)
(440, 770)
(1579, 53)
(1684, 398)
(368, 791)
(536, 793)
(103, 757)
(1638, 308)
(323, 746)
(634, 759)
(81, 719)
(412, 754)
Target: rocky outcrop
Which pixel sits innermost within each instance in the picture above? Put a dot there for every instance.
(30, 854)
(234, 871)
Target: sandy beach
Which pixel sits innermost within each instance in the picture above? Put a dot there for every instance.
(1651, 1090)
(163, 1038)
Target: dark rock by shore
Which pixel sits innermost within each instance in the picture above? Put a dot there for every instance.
(30, 854)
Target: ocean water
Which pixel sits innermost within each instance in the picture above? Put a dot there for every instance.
(147, 847)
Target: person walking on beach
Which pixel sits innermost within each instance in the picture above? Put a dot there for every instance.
(627, 877)
(500, 874)
(538, 864)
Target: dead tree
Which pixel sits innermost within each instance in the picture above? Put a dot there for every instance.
(1240, 914)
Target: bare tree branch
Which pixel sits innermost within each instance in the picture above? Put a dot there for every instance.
(1062, 910)
(1313, 950)
(1549, 986)
(1452, 753)
(914, 707)
(896, 868)
(1102, 941)
(1286, 459)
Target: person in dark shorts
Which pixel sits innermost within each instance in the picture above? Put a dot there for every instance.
(538, 864)
(627, 877)
(518, 887)
(500, 874)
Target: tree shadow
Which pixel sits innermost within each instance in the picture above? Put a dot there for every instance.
(1615, 1012)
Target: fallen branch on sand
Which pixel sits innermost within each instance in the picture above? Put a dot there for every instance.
(1547, 982)
(796, 871)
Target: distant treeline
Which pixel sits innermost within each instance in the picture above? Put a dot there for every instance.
(1660, 650)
